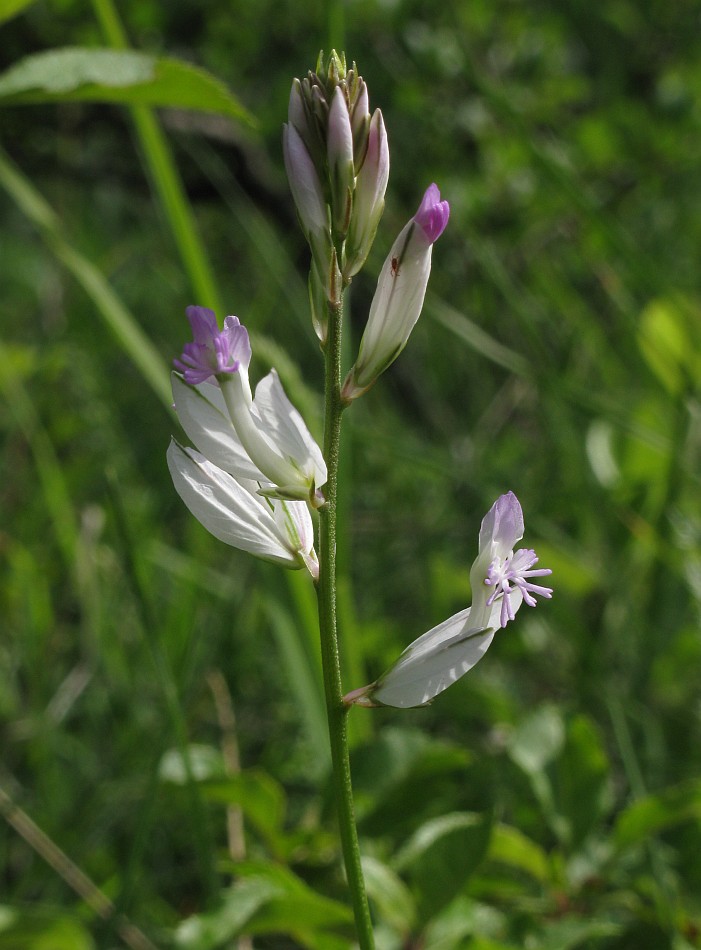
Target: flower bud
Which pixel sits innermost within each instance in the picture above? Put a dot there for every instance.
(307, 190)
(340, 162)
(296, 111)
(399, 297)
(360, 125)
(369, 197)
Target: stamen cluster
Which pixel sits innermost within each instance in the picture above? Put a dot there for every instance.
(512, 574)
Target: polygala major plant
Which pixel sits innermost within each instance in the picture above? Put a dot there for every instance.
(256, 476)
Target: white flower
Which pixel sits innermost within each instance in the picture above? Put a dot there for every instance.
(264, 433)
(500, 582)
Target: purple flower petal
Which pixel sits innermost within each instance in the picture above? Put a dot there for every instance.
(433, 214)
(212, 351)
(502, 525)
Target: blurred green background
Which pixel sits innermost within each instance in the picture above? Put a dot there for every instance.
(550, 800)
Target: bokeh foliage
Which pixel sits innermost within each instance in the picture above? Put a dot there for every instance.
(552, 798)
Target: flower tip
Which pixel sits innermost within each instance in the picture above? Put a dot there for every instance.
(212, 350)
(433, 213)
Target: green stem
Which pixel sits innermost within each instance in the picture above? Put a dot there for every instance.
(326, 592)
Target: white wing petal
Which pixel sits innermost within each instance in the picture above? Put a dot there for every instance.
(225, 507)
(286, 428)
(433, 662)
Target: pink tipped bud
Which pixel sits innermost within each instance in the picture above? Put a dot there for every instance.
(401, 288)
(433, 214)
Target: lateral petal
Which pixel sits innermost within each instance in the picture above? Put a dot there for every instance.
(287, 430)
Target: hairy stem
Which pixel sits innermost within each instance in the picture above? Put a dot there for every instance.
(335, 710)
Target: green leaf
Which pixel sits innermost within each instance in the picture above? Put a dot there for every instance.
(572, 932)
(668, 338)
(121, 322)
(266, 898)
(75, 74)
(398, 765)
(10, 8)
(466, 923)
(259, 796)
(656, 813)
(537, 740)
(239, 904)
(512, 848)
(391, 896)
(64, 934)
(42, 929)
(8, 916)
(440, 857)
(295, 909)
(533, 746)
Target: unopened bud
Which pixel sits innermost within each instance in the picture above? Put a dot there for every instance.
(360, 125)
(340, 162)
(369, 197)
(304, 182)
(399, 297)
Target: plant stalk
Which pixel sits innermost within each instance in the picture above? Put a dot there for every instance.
(326, 591)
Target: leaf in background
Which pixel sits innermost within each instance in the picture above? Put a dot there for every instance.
(118, 76)
(655, 813)
(294, 908)
(582, 779)
(537, 740)
(441, 855)
(466, 918)
(668, 339)
(573, 932)
(121, 322)
(259, 796)
(511, 847)
(398, 767)
(266, 898)
(390, 895)
(41, 929)
(10, 8)
(240, 902)
(533, 746)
